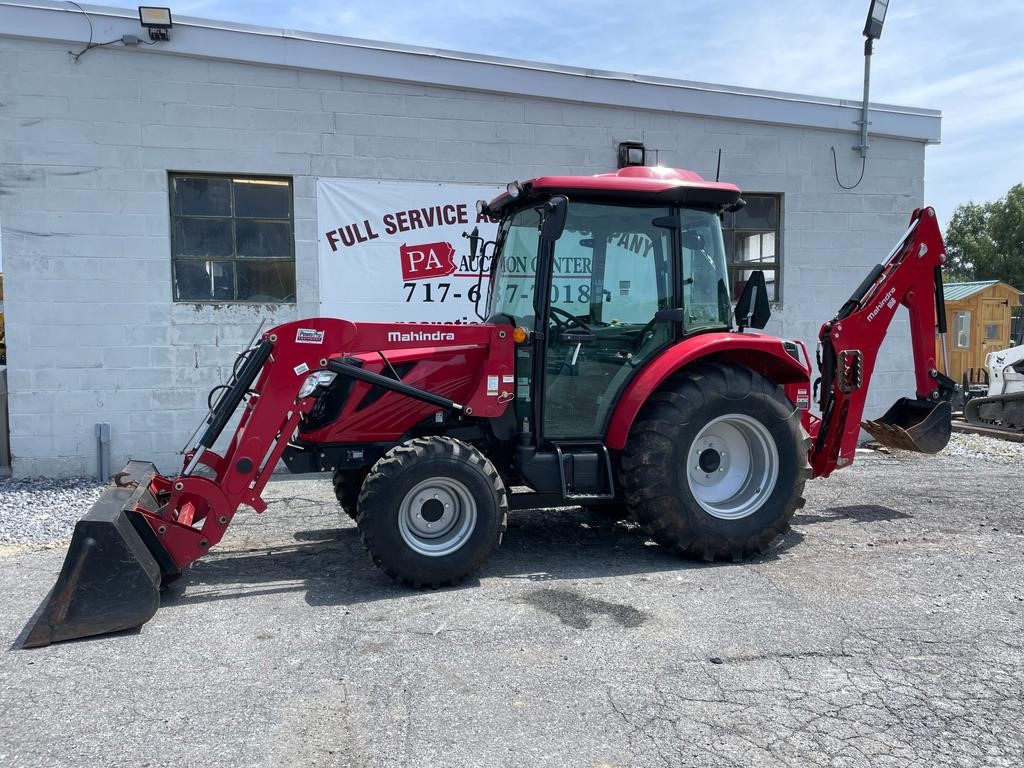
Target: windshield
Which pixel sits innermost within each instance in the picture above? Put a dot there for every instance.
(705, 280)
(511, 291)
(613, 265)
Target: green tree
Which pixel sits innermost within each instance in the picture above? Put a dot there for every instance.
(986, 241)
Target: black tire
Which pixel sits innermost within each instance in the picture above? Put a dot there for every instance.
(655, 464)
(388, 529)
(347, 484)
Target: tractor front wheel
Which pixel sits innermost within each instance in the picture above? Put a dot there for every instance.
(347, 484)
(716, 463)
(431, 511)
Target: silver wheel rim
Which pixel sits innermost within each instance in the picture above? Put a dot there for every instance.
(437, 516)
(732, 466)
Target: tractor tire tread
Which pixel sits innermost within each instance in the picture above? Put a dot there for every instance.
(651, 495)
(347, 484)
(400, 457)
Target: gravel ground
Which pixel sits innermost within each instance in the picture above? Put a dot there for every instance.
(887, 629)
(39, 512)
(987, 448)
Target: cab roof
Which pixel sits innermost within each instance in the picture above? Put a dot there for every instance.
(635, 184)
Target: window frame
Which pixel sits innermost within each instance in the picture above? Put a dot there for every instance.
(234, 258)
(730, 235)
(962, 326)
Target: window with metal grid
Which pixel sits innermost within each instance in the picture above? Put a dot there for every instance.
(232, 238)
(753, 240)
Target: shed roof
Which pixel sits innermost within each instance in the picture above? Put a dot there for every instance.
(958, 291)
(54, 20)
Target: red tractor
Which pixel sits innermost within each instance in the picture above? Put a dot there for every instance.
(611, 369)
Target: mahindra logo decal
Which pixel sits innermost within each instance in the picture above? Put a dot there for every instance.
(887, 300)
(421, 336)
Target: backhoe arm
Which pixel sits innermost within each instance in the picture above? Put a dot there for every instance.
(849, 344)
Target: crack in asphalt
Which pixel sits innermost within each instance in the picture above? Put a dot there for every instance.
(921, 707)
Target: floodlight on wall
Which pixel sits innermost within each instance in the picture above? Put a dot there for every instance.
(157, 21)
(632, 153)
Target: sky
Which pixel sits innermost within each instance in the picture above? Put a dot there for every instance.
(963, 58)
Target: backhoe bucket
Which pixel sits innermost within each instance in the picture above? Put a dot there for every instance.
(110, 580)
(914, 425)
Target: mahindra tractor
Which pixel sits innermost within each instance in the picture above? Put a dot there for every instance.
(611, 369)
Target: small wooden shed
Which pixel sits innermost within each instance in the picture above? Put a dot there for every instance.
(978, 322)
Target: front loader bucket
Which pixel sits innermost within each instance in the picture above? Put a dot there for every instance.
(109, 582)
(914, 425)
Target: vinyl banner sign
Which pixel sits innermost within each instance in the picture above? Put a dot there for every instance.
(395, 250)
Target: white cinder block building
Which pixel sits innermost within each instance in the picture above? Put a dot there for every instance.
(123, 169)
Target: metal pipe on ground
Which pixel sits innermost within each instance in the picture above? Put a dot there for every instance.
(102, 451)
(5, 432)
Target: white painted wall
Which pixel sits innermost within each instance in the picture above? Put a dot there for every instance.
(84, 154)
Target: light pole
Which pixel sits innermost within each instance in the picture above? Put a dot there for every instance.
(872, 31)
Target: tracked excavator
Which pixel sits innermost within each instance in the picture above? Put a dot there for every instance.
(1003, 404)
(631, 382)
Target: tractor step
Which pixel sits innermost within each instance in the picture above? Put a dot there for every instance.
(585, 471)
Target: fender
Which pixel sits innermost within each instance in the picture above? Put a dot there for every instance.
(765, 354)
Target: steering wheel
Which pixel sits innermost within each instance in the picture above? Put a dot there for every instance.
(569, 320)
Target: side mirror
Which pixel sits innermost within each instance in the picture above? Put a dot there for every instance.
(475, 293)
(755, 294)
(554, 212)
(474, 242)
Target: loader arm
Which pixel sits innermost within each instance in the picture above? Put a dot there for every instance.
(195, 510)
(147, 528)
(849, 344)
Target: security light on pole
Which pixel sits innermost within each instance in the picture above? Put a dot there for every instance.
(876, 18)
(872, 31)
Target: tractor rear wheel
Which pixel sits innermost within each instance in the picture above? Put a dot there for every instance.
(347, 484)
(716, 463)
(431, 511)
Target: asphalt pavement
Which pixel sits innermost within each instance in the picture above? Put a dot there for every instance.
(886, 629)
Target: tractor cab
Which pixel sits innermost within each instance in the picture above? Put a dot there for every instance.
(602, 280)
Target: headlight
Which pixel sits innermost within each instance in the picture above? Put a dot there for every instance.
(314, 380)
